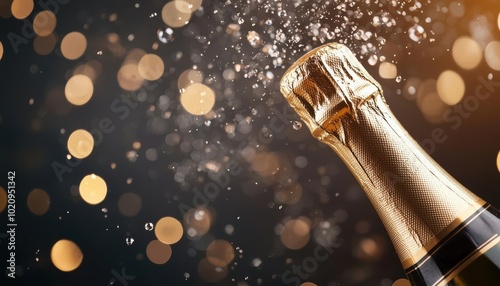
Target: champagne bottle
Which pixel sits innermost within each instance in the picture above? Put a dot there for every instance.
(443, 233)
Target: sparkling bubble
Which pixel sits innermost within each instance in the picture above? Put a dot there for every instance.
(417, 33)
(372, 60)
(165, 35)
(254, 39)
(149, 226)
(129, 240)
(297, 125)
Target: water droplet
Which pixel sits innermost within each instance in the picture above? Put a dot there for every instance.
(149, 226)
(372, 60)
(417, 33)
(398, 79)
(165, 35)
(297, 125)
(241, 21)
(254, 39)
(129, 240)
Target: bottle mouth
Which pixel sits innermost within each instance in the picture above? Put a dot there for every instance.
(327, 83)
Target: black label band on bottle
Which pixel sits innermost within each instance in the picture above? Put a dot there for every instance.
(454, 252)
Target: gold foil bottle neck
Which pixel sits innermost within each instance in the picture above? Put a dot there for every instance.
(418, 202)
(326, 83)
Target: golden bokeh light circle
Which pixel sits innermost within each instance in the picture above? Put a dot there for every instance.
(401, 282)
(22, 8)
(266, 163)
(288, 194)
(176, 13)
(93, 189)
(3, 199)
(308, 284)
(79, 89)
(44, 23)
(151, 67)
(38, 202)
(80, 143)
(1, 50)
(91, 69)
(66, 255)
(220, 252)
(492, 55)
(168, 230)
(498, 21)
(198, 99)
(158, 252)
(466, 53)
(295, 234)
(498, 162)
(189, 77)
(44, 45)
(388, 70)
(192, 4)
(73, 45)
(211, 273)
(450, 87)
(129, 77)
(197, 222)
(129, 204)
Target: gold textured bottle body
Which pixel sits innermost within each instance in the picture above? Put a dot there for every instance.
(422, 207)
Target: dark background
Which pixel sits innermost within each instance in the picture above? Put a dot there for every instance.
(31, 141)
